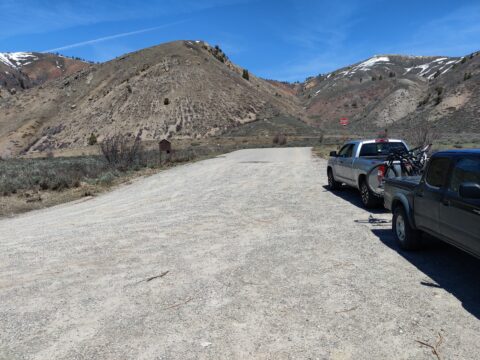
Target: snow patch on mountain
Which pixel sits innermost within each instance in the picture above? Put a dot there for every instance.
(366, 65)
(428, 70)
(17, 59)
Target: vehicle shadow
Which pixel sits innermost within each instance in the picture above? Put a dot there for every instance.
(353, 197)
(450, 268)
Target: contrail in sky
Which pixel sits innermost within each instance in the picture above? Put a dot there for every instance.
(116, 36)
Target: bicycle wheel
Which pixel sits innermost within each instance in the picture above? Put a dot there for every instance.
(377, 175)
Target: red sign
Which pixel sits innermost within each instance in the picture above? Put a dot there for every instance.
(344, 121)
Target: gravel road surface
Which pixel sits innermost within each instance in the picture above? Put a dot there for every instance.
(242, 256)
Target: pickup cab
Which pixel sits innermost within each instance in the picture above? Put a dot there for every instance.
(354, 160)
(444, 202)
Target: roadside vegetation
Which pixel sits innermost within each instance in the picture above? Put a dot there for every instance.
(414, 135)
(34, 183)
(51, 173)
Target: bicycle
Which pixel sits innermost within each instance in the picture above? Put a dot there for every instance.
(398, 163)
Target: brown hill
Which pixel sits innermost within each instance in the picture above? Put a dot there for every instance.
(451, 103)
(183, 89)
(188, 89)
(374, 93)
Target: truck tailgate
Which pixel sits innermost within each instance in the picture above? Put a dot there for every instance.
(407, 182)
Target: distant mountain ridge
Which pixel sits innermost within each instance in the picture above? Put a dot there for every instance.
(24, 70)
(189, 89)
(387, 90)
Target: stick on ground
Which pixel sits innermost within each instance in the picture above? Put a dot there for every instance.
(179, 304)
(158, 276)
(434, 348)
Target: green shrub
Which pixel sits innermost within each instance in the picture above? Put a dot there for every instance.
(321, 138)
(245, 74)
(280, 139)
(92, 140)
(219, 54)
(424, 101)
(49, 173)
(121, 152)
(107, 178)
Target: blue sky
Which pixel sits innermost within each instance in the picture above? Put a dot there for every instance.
(282, 39)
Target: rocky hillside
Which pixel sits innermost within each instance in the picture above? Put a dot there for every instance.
(396, 91)
(451, 103)
(23, 70)
(189, 90)
(183, 89)
(374, 93)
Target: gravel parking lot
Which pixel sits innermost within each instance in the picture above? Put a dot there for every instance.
(242, 256)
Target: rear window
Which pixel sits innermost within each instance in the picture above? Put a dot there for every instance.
(381, 148)
(437, 172)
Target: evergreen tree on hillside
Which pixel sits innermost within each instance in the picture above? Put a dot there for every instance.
(92, 140)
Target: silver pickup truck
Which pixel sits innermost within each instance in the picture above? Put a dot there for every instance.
(354, 160)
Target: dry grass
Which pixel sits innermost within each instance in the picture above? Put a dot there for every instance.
(49, 173)
(35, 183)
(38, 182)
(323, 151)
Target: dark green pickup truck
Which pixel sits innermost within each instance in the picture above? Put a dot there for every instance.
(444, 202)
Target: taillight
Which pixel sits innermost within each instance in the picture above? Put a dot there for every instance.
(381, 172)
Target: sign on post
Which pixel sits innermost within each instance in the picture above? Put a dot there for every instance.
(343, 121)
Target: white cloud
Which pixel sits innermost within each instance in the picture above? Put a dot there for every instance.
(111, 37)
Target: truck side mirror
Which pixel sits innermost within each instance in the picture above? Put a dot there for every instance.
(333, 154)
(469, 190)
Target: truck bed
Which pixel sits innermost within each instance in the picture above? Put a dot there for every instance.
(400, 185)
(406, 183)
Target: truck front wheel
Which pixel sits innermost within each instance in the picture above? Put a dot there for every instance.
(407, 237)
(332, 184)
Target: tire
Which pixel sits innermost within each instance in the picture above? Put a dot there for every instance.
(407, 237)
(371, 176)
(332, 184)
(369, 199)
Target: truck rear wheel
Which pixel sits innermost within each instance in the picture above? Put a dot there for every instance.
(369, 199)
(407, 237)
